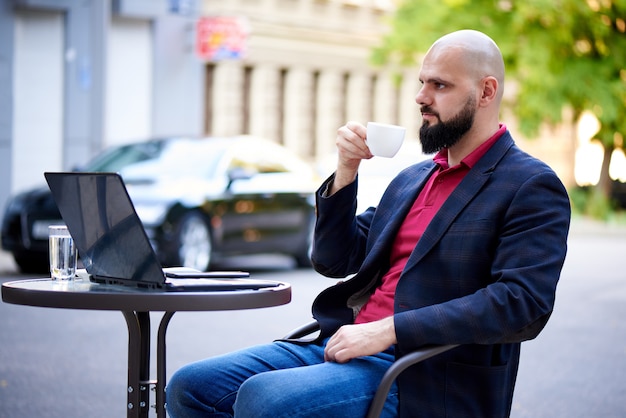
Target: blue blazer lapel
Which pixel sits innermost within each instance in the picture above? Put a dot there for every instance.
(460, 197)
(399, 198)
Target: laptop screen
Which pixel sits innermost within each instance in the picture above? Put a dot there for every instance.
(109, 235)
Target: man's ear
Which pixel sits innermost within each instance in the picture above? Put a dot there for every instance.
(489, 90)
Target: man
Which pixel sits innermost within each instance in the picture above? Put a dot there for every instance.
(465, 249)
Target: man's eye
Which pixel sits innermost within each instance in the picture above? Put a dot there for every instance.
(439, 86)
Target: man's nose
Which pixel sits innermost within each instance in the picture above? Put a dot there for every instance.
(421, 98)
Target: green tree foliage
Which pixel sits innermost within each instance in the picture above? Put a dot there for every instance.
(563, 53)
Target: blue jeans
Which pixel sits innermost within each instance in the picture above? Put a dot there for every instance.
(277, 380)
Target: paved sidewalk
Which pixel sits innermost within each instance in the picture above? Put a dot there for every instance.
(590, 226)
(574, 369)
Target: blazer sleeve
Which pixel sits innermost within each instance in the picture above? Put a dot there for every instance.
(340, 236)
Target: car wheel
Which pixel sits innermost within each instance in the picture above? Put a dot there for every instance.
(32, 263)
(194, 242)
(303, 257)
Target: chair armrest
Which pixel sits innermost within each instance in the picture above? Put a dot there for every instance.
(398, 367)
(303, 331)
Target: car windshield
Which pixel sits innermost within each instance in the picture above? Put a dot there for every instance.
(192, 158)
(116, 158)
(180, 159)
(167, 158)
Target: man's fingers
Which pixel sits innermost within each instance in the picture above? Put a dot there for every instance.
(351, 141)
(337, 356)
(337, 349)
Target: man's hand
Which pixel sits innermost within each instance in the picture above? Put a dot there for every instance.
(352, 341)
(351, 149)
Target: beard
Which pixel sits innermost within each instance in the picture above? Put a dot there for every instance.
(446, 134)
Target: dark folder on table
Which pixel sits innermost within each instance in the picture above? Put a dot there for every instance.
(113, 244)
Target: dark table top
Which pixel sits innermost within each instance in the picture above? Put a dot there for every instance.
(82, 294)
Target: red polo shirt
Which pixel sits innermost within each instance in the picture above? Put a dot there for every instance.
(437, 189)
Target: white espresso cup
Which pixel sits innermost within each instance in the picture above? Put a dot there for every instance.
(384, 140)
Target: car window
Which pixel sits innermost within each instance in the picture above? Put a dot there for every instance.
(259, 162)
(180, 159)
(192, 158)
(265, 157)
(116, 158)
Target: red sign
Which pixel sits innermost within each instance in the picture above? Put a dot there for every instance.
(219, 38)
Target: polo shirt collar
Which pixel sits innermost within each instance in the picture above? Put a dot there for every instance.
(441, 158)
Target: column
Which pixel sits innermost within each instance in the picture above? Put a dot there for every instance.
(298, 117)
(359, 97)
(330, 105)
(384, 99)
(227, 99)
(408, 111)
(264, 102)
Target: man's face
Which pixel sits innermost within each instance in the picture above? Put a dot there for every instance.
(447, 99)
(444, 134)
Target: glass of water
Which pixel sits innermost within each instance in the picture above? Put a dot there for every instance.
(63, 254)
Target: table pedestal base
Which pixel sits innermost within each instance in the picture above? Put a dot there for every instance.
(139, 383)
(136, 306)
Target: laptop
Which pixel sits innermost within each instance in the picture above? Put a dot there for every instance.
(113, 244)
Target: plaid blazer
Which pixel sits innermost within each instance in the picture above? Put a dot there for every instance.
(483, 275)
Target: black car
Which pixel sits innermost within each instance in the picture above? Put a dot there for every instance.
(199, 200)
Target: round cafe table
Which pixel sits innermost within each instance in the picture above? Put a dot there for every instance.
(136, 305)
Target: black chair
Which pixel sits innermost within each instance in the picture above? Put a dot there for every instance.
(391, 374)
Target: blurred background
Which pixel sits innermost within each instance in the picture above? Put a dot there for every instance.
(81, 79)
(79, 76)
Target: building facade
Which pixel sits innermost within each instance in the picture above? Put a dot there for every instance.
(305, 71)
(76, 77)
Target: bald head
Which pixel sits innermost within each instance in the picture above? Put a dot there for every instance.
(475, 51)
(462, 78)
